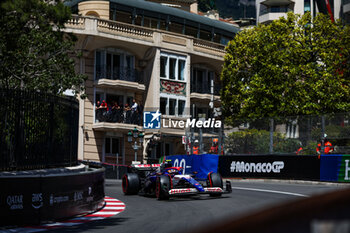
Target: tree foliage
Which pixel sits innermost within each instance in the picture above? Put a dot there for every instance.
(206, 5)
(34, 51)
(293, 66)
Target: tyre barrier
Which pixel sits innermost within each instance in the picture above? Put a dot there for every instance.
(36, 197)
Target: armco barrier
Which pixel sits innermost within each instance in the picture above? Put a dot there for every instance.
(270, 166)
(41, 196)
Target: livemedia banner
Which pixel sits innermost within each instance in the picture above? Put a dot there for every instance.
(270, 166)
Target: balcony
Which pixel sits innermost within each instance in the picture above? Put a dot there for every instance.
(273, 13)
(139, 35)
(117, 119)
(121, 77)
(205, 89)
(276, 2)
(204, 93)
(275, 10)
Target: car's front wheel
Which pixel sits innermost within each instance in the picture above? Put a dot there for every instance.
(162, 187)
(215, 180)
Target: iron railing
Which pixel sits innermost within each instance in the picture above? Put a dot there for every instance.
(119, 116)
(119, 73)
(200, 89)
(205, 89)
(37, 130)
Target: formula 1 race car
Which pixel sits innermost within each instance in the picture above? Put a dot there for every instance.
(165, 181)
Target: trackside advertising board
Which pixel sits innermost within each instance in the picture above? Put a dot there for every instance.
(203, 164)
(270, 166)
(335, 168)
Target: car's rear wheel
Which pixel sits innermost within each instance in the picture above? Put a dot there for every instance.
(131, 184)
(215, 180)
(162, 187)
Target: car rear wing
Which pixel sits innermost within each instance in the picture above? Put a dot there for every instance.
(145, 167)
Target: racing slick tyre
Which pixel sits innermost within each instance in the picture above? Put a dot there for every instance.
(215, 180)
(131, 184)
(162, 187)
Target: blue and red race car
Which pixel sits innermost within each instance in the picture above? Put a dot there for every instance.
(165, 181)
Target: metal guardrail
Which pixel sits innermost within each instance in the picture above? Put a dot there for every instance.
(37, 130)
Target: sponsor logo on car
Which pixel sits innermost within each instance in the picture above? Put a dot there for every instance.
(178, 191)
(216, 190)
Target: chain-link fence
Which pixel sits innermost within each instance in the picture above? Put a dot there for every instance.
(304, 135)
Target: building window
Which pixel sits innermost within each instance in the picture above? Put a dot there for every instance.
(115, 64)
(181, 107)
(181, 70)
(307, 5)
(112, 146)
(201, 80)
(163, 104)
(173, 67)
(172, 105)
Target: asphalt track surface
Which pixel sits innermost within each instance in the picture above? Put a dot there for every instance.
(146, 214)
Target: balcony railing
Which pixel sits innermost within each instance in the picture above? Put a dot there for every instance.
(217, 89)
(119, 116)
(119, 73)
(205, 89)
(134, 31)
(209, 45)
(275, 10)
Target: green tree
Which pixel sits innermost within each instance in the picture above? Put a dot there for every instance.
(293, 66)
(34, 51)
(206, 5)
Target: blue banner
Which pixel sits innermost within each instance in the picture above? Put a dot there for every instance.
(202, 164)
(335, 168)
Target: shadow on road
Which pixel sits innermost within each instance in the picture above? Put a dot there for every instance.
(93, 225)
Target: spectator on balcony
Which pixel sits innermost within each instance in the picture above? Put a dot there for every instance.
(127, 114)
(134, 112)
(114, 114)
(134, 105)
(98, 110)
(104, 110)
(120, 113)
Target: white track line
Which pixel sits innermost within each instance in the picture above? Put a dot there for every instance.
(271, 191)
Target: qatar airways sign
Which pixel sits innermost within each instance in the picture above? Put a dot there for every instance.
(244, 167)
